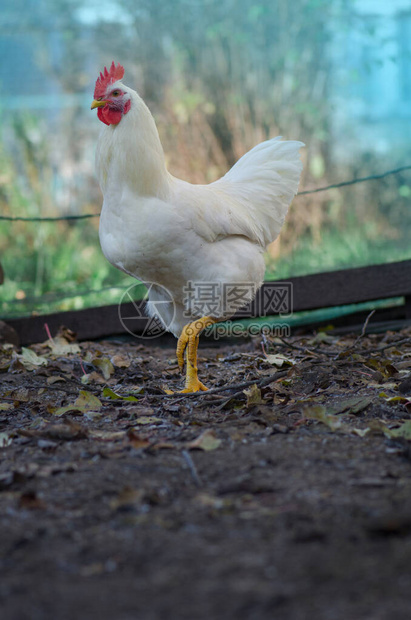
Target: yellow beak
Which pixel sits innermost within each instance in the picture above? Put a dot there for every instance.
(98, 103)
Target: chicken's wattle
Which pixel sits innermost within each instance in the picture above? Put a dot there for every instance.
(112, 116)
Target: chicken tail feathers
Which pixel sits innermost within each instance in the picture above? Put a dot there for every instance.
(264, 182)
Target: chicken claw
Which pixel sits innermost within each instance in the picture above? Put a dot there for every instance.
(188, 342)
(193, 384)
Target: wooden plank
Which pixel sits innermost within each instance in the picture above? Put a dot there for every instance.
(88, 324)
(338, 288)
(384, 318)
(311, 292)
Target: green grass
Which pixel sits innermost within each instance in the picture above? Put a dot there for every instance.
(337, 250)
(54, 267)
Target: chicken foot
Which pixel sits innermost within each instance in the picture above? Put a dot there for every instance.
(188, 343)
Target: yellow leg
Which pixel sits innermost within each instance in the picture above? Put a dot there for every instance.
(181, 346)
(188, 342)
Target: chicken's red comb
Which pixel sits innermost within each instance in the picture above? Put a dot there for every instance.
(108, 77)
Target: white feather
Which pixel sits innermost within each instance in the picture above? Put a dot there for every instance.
(164, 230)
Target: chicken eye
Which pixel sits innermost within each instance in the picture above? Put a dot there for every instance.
(115, 93)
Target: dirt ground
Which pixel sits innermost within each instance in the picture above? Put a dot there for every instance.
(283, 493)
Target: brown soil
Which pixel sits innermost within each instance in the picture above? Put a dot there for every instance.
(291, 500)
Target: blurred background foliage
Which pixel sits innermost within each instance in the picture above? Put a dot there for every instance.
(219, 76)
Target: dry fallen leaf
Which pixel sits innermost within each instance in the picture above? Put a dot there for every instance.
(143, 419)
(382, 365)
(6, 406)
(106, 435)
(163, 445)
(104, 364)
(55, 379)
(21, 395)
(319, 413)
(92, 377)
(5, 440)
(30, 359)
(403, 400)
(60, 346)
(253, 394)
(137, 441)
(62, 430)
(321, 337)
(109, 393)
(361, 432)
(279, 360)
(127, 499)
(207, 441)
(120, 361)
(403, 431)
(85, 402)
(30, 501)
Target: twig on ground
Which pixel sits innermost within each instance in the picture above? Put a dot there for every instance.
(307, 350)
(223, 388)
(240, 394)
(375, 349)
(388, 346)
(364, 329)
(291, 346)
(192, 468)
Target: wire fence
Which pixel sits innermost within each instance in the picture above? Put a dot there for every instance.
(53, 297)
(59, 218)
(373, 177)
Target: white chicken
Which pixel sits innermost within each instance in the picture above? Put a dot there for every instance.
(177, 235)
